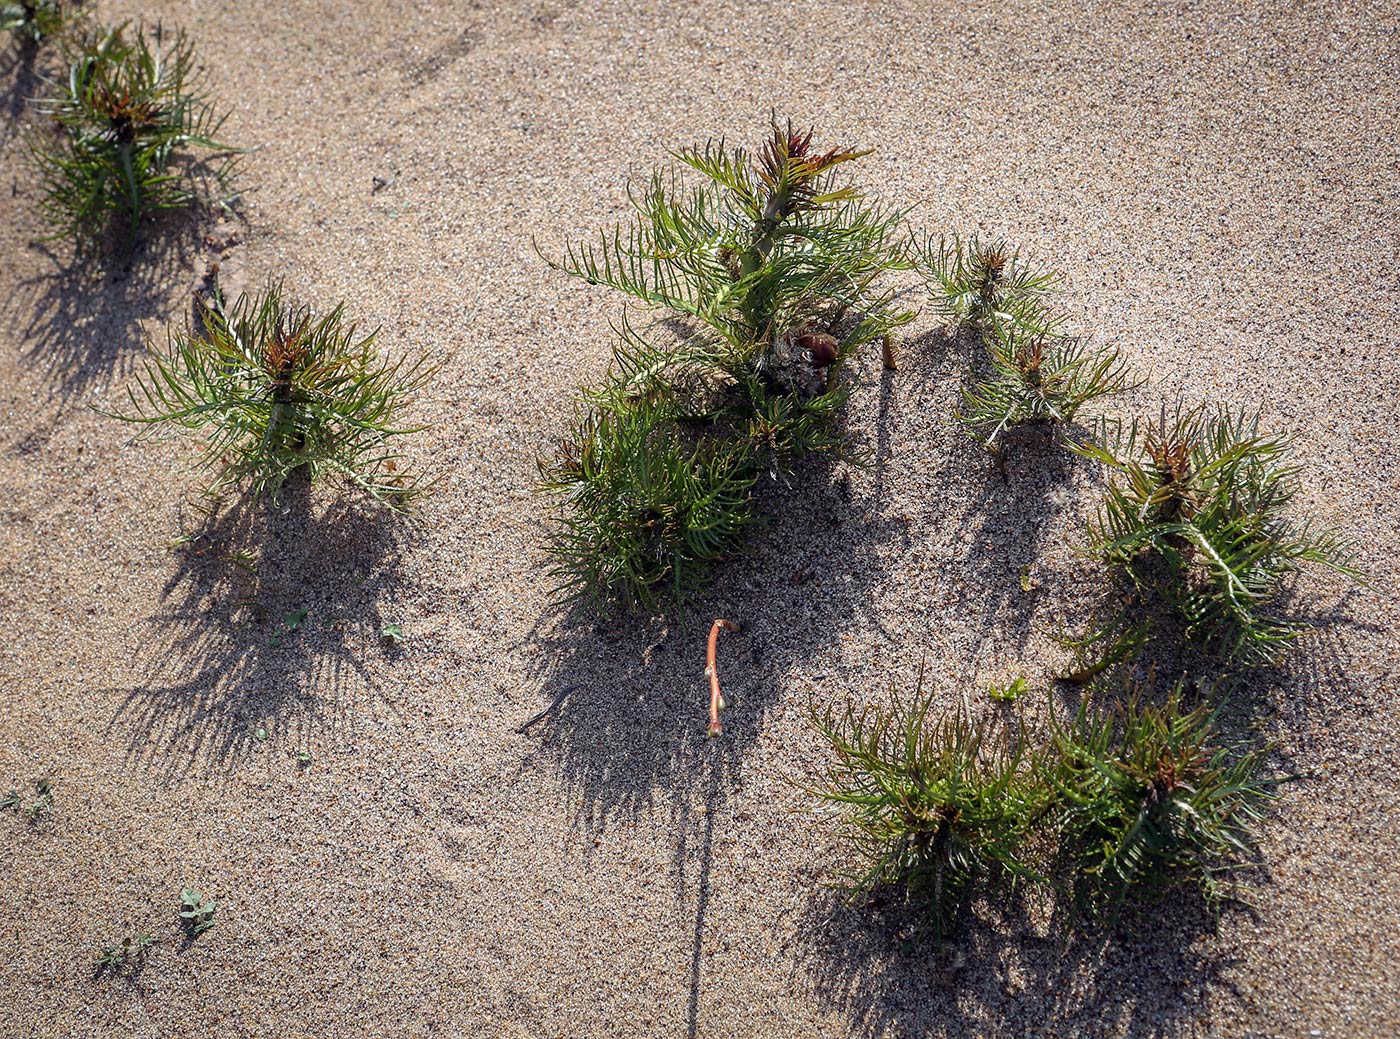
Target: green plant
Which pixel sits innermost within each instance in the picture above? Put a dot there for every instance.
(393, 635)
(1008, 692)
(129, 951)
(33, 20)
(129, 110)
(1198, 512)
(1147, 798)
(274, 389)
(928, 805)
(1037, 377)
(765, 272)
(196, 911)
(985, 284)
(40, 805)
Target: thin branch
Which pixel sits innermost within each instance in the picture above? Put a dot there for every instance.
(712, 672)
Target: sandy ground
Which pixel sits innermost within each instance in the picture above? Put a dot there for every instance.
(1220, 184)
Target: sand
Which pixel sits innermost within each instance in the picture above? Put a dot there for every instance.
(1219, 184)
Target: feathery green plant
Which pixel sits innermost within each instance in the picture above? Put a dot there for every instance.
(273, 388)
(764, 272)
(927, 806)
(1038, 376)
(1198, 513)
(130, 109)
(1145, 798)
(981, 284)
(33, 20)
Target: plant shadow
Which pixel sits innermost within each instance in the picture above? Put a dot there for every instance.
(1021, 967)
(267, 618)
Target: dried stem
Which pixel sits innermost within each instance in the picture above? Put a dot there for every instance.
(712, 672)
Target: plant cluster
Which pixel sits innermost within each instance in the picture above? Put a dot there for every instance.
(1197, 514)
(766, 274)
(34, 20)
(128, 112)
(1034, 373)
(1139, 797)
(274, 389)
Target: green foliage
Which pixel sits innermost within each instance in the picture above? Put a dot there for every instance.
(928, 805)
(130, 951)
(41, 804)
(1198, 512)
(129, 111)
(1037, 377)
(196, 912)
(1146, 799)
(393, 634)
(33, 20)
(650, 507)
(272, 388)
(764, 271)
(1009, 692)
(983, 284)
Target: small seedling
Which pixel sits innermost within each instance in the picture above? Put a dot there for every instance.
(129, 951)
(260, 734)
(1037, 378)
(130, 109)
(1198, 513)
(33, 20)
(1147, 798)
(1009, 692)
(273, 390)
(985, 284)
(393, 635)
(303, 759)
(929, 804)
(41, 804)
(197, 912)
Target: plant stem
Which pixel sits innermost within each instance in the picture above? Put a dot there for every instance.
(712, 672)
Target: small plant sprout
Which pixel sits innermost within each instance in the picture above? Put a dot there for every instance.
(1146, 799)
(983, 284)
(41, 804)
(33, 20)
(928, 805)
(196, 912)
(1037, 378)
(393, 635)
(130, 110)
(1010, 691)
(130, 951)
(274, 389)
(1198, 513)
(764, 273)
(717, 703)
(303, 759)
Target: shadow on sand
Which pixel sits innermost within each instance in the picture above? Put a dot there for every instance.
(269, 614)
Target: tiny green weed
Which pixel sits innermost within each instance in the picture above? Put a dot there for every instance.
(1009, 692)
(130, 111)
(196, 912)
(41, 803)
(129, 952)
(274, 389)
(393, 635)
